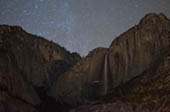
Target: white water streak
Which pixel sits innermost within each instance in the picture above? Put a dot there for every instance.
(106, 74)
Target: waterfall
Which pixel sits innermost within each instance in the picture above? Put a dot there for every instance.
(105, 73)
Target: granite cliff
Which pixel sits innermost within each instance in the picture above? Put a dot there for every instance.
(29, 66)
(132, 75)
(129, 55)
(148, 92)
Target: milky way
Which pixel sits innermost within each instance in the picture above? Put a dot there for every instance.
(79, 25)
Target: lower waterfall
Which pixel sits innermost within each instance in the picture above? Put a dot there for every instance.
(105, 74)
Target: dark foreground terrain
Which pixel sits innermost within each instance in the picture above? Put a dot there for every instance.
(132, 75)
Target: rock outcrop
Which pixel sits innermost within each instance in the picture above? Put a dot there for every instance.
(129, 55)
(28, 67)
(148, 92)
(81, 81)
(16, 94)
(35, 56)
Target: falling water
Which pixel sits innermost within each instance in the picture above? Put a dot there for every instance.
(105, 74)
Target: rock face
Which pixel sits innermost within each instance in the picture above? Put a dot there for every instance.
(35, 56)
(28, 67)
(129, 55)
(81, 81)
(132, 75)
(139, 48)
(14, 89)
(148, 92)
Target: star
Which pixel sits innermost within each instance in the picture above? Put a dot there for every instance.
(136, 5)
(51, 22)
(26, 12)
(41, 0)
(36, 6)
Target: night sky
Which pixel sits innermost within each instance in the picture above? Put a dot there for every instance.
(79, 25)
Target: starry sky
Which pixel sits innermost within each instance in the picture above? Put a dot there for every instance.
(79, 25)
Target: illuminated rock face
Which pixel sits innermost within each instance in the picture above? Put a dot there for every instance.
(129, 55)
(148, 92)
(139, 48)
